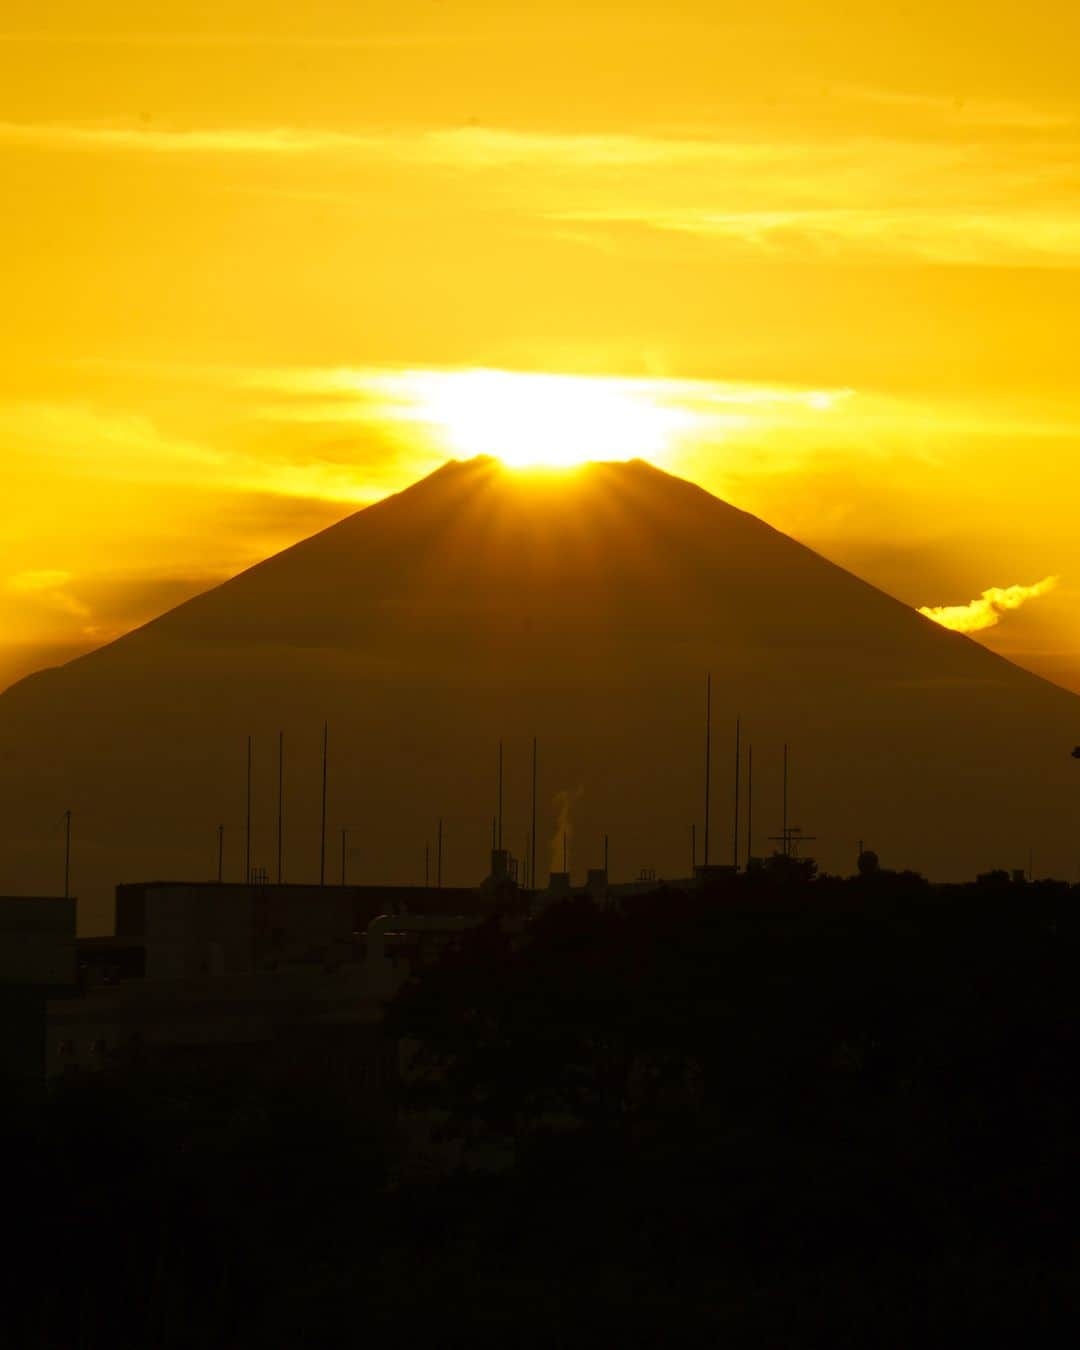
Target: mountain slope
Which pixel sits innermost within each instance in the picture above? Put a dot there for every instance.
(483, 603)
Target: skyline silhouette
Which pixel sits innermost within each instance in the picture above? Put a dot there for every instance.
(486, 604)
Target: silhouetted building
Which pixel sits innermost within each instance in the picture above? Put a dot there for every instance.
(37, 963)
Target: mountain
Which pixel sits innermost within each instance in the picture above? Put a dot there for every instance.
(587, 607)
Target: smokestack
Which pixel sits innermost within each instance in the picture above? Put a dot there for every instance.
(708, 758)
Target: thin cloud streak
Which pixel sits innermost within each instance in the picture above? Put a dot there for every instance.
(946, 236)
(971, 204)
(287, 41)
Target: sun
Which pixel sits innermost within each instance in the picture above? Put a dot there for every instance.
(527, 419)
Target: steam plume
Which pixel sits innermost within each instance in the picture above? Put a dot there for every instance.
(986, 611)
(564, 827)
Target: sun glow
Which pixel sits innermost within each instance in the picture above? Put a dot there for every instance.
(555, 420)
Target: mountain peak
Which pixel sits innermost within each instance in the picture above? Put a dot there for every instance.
(584, 606)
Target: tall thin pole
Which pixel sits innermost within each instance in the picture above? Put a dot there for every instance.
(738, 766)
(500, 793)
(708, 758)
(438, 858)
(247, 826)
(322, 831)
(280, 805)
(525, 863)
(220, 853)
(532, 832)
(67, 855)
(749, 805)
(787, 841)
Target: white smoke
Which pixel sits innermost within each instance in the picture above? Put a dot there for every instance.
(986, 611)
(563, 802)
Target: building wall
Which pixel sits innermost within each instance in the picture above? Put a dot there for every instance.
(37, 941)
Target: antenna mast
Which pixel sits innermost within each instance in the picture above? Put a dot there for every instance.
(708, 758)
(280, 803)
(738, 765)
(322, 832)
(67, 854)
(532, 832)
(749, 805)
(247, 826)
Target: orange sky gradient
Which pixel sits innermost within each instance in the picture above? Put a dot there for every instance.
(264, 264)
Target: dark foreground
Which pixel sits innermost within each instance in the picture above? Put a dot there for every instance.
(823, 1113)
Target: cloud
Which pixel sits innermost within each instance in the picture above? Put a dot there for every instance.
(986, 611)
(32, 582)
(48, 588)
(961, 196)
(290, 40)
(453, 147)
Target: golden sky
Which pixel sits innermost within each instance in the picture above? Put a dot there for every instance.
(265, 262)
